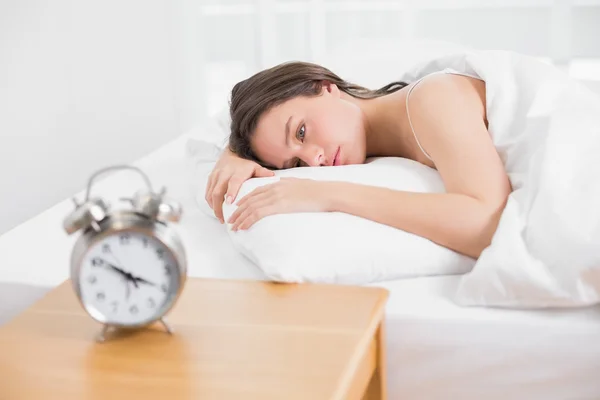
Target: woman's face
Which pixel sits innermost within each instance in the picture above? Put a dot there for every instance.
(322, 130)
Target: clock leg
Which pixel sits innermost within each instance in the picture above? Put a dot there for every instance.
(164, 323)
(101, 337)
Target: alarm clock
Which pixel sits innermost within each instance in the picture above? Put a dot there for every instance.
(128, 266)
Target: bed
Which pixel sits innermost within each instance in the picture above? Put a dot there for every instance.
(435, 349)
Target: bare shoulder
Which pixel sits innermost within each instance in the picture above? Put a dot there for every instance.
(447, 94)
(448, 116)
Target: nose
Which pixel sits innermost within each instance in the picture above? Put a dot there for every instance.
(313, 156)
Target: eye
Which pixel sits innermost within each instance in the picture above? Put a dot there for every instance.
(301, 133)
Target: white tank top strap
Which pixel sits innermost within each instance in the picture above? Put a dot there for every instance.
(445, 71)
(410, 89)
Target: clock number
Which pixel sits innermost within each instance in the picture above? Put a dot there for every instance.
(92, 279)
(164, 288)
(151, 302)
(145, 242)
(167, 270)
(133, 309)
(97, 261)
(124, 238)
(115, 306)
(100, 296)
(160, 253)
(106, 248)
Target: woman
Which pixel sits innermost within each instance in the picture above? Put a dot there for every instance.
(301, 114)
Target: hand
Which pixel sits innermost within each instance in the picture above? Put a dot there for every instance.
(289, 195)
(227, 177)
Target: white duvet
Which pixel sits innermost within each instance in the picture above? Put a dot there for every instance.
(546, 128)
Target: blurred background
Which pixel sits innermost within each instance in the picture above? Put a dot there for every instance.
(85, 84)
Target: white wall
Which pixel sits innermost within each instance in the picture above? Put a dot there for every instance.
(228, 40)
(83, 84)
(87, 83)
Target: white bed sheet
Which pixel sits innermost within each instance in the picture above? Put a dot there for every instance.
(435, 349)
(439, 350)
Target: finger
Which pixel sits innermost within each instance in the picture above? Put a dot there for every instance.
(218, 197)
(218, 207)
(263, 172)
(250, 200)
(258, 191)
(264, 211)
(250, 196)
(217, 189)
(209, 188)
(235, 215)
(233, 187)
(247, 201)
(253, 214)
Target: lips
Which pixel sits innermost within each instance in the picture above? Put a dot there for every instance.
(336, 157)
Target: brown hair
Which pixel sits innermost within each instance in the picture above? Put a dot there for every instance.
(254, 96)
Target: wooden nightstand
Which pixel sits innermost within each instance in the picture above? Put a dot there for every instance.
(232, 340)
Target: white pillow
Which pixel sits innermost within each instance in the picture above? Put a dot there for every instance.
(342, 248)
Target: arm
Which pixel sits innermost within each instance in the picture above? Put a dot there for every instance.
(459, 222)
(465, 218)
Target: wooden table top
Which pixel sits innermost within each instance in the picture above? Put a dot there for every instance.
(232, 340)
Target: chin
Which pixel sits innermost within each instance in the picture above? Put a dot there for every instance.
(360, 158)
(355, 160)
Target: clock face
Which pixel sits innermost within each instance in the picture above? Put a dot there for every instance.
(128, 279)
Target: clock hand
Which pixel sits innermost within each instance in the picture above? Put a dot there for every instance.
(132, 279)
(127, 275)
(113, 267)
(119, 270)
(142, 280)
